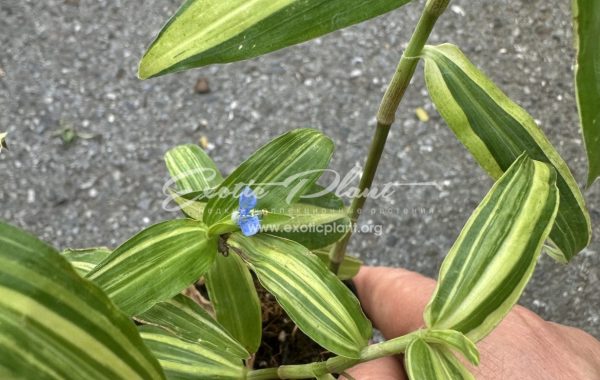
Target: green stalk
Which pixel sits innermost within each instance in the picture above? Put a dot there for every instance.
(337, 364)
(386, 116)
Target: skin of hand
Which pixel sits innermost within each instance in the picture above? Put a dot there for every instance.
(523, 346)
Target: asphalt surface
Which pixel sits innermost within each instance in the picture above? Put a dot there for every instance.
(71, 66)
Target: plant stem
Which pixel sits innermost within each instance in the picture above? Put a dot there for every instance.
(336, 364)
(386, 116)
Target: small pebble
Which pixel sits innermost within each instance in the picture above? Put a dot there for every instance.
(202, 86)
(204, 142)
(422, 115)
(458, 10)
(3, 141)
(30, 196)
(355, 73)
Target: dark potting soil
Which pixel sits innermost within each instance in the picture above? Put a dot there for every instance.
(282, 342)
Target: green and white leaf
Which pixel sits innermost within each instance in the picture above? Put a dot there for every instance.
(495, 254)
(86, 259)
(349, 267)
(425, 361)
(317, 301)
(496, 131)
(586, 20)
(204, 32)
(184, 360)
(456, 340)
(155, 264)
(192, 208)
(312, 226)
(56, 325)
(186, 320)
(191, 169)
(234, 298)
(193, 172)
(320, 196)
(284, 168)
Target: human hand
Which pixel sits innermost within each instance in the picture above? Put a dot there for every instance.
(523, 346)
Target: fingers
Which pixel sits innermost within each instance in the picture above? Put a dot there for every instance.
(394, 299)
(388, 368)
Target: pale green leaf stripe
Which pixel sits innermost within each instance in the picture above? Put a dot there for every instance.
(214, 31)
(183, 360)
(433, 362)
(327, 206)
(191, 208)
(321, 306)
(185, 319)
(586, 14)
(192, 169)
(234, 298)
(320, 196)
(56, 325)
(495, 254)
(349, 267)
(288, 164)
(85, 259)
(496, 131)
(155, 264)
(456, 340)
(312, 226)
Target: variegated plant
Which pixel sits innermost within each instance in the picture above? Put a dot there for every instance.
(76, 321)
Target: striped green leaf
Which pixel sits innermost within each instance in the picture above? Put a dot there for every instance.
(425, 361)
(282, 170)
(317, 195)
(349, 267)
(317, 301)
(86, 259)
(203, 32)
(56, 325)
(184, 360)
(155, 264)
(495, 254)
(191, 169)
(193, 172)
(312, 226)
(191, 208)
(456, 340)
(234, 298)
(587, 78)
(186, 320)
(496, 131)
(327, 206)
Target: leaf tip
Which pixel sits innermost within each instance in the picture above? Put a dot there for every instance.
(592, 177)
(143, 72)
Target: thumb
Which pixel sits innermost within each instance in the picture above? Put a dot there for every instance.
(394, 299)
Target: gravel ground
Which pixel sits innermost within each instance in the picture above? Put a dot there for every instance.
(70, 65)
